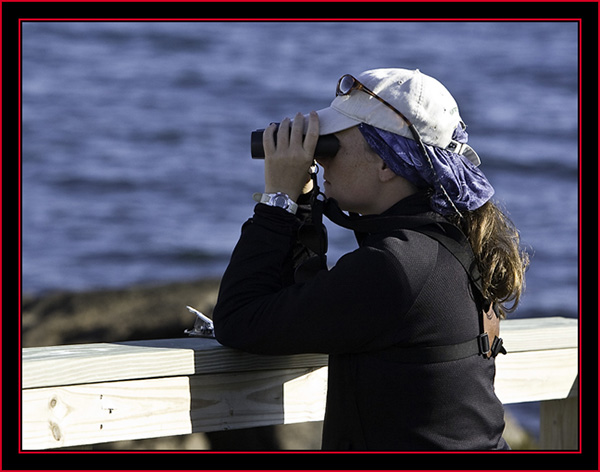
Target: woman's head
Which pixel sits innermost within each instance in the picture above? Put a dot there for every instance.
(412, 123)
(400, 131)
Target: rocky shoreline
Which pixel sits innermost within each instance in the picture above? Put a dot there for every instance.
(132, 313)
(158, 311)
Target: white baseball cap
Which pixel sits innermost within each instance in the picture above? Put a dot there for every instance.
(423, 100)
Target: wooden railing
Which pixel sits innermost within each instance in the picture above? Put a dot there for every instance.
(95, 393)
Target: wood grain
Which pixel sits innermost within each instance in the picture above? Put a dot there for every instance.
(94, 393)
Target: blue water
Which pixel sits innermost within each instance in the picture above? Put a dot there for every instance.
(135, 136)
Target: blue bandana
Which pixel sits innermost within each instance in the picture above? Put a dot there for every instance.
(463, 183)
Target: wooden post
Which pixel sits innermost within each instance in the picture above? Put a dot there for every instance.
(559, 422)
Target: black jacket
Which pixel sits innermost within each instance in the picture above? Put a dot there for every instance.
(399, 289)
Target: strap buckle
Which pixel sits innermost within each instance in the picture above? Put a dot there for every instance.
(497, 347)
(487, 351)
(483, 341)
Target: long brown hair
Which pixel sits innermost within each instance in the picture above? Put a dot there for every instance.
(502, 262)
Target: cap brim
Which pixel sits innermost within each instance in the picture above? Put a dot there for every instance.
(332, 121)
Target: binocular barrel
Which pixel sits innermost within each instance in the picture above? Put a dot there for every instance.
(327, 145)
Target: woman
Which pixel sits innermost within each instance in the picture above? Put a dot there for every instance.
(410, 318)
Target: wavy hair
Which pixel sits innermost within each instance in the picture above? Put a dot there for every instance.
(501, 260)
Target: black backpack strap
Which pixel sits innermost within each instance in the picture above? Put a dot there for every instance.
(435, 354)
(453, 239)
(459, 247)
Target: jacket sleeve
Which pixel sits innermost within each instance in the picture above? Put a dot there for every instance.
(337, 311)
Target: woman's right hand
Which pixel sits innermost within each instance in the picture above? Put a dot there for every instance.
(288, 162)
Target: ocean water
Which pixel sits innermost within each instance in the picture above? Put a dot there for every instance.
(135, 137)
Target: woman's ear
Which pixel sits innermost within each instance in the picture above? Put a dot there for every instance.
(385, 173)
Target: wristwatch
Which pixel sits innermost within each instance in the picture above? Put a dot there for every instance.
(279, 199)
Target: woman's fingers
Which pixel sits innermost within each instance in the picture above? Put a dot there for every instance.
(312, 133)
(287, 163)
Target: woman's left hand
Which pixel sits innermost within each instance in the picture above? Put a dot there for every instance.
(287, 163)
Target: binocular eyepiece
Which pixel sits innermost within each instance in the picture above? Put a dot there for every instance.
(327, 145)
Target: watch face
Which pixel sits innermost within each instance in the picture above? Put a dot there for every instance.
(280, 201)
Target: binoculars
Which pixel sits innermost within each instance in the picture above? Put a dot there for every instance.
(327, 145)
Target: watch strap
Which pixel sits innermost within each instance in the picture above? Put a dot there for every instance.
(279, 199)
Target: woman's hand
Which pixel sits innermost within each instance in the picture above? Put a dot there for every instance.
(287, 164)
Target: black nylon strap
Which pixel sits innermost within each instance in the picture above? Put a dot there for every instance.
(453, 239)
(459, 247)
(433, 354)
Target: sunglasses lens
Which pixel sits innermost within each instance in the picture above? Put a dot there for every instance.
(345, 85)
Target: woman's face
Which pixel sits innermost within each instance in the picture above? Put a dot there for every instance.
(352, 176)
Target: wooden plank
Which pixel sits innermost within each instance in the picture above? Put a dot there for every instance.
(532, 334)
(91, 363)
(95, 413)
(87, 363)
(249, 399)
(135, 409)
(536, 376)
(542, 360)
(305, 397)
